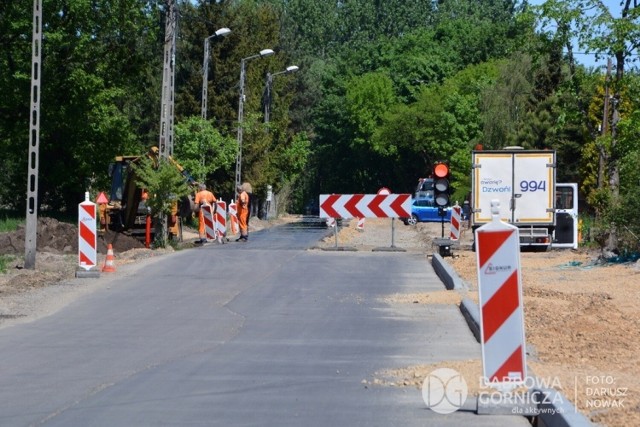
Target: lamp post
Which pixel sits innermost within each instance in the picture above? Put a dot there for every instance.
(263, 53)
(267, 101)
(222, 32)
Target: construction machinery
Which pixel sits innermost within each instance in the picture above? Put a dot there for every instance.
(127, 210)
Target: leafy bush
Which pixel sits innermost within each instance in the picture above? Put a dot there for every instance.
(5, 260)
(10, 224)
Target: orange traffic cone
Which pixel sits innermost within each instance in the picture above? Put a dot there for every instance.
(108, 263)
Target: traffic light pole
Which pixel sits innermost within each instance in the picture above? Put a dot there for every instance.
(441, 197)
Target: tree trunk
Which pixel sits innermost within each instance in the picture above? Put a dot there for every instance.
(602, 154)
(614, 167)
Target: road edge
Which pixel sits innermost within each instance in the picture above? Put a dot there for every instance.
(550, 413)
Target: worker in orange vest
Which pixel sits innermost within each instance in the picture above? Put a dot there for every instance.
(203, 196)
(243, 213)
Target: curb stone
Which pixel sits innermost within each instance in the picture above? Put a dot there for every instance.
(549, 413)
(447, 274)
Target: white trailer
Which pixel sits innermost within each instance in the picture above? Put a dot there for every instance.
(523, 181)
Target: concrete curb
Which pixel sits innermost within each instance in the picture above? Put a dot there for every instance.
(388, 249)
(340, 249)
(88, 274)
(555, 410)
(447, 274)
(471, 314)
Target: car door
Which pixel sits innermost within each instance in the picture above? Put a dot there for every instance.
(429, 211)
(565, 235)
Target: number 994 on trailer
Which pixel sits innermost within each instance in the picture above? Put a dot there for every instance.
(523, 181)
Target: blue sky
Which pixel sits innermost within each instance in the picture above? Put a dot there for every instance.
(589, 60)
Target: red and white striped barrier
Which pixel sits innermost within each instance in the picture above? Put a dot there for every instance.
(501, 310)
(87, 236)
(221, 220)
(331, 222)
(360, 225)
(365, 205)
(209, 227)
(456, 220)
(233, 217)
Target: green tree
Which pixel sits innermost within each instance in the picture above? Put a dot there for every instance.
(607, 33)
(202, 149)
(94, 57)
(367, 98)
(165, 187)
(15, 78)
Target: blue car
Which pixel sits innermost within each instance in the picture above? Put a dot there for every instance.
(424, 210)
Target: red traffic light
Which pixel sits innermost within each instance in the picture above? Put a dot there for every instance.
(441, 170)
(441, 184)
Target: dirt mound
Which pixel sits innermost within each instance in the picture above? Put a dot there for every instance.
(62, 238)
(120, 242)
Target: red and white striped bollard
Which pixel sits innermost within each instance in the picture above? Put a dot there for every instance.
(221, 220)
(209, 226)
(456, 220)
(233, 217)
(500, 299)
(87, 235)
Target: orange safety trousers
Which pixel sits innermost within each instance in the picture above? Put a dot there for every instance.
(243, 213)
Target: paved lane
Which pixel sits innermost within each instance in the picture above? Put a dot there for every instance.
(187, 340)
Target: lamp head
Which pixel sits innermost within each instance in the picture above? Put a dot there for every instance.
(223, 32)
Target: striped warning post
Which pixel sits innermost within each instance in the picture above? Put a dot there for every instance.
(360, 225)
(221, 220)
(500, 300)
(233, 217)
(456, 219)
(331, 222)
(209, 227)
(87, 236)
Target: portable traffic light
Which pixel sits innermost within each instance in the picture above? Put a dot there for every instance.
(441, 185)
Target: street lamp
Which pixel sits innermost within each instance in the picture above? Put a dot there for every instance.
(267, 101)
(263, 53)
(222, 32)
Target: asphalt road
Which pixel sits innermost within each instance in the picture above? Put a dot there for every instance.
(264, 333)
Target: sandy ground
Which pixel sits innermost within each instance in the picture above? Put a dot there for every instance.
(582, 323)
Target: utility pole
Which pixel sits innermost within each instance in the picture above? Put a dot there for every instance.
(205, 76)
(168, 92)
(168, 79)
(31, 225)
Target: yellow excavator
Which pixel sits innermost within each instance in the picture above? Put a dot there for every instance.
(127, 210)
